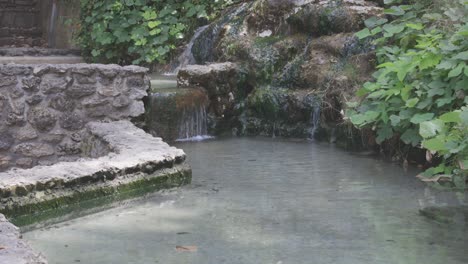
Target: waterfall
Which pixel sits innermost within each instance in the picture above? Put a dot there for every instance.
(52, 22)
(314, 120)
(193, 125)
(200, 48)
(187, 58)
(177, 114)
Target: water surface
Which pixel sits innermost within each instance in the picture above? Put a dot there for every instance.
(255, 201)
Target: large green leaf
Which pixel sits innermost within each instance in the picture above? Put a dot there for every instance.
(429, 129)
(419, 118)
(434, 144)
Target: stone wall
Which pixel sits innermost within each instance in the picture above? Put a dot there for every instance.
(44, 108)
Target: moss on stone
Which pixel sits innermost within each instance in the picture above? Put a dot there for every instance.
(76, 200)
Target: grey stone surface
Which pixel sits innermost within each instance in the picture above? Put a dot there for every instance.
(41, 106)
(130, 147)
(13, 249)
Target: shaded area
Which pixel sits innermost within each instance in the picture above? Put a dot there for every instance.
(264, 201)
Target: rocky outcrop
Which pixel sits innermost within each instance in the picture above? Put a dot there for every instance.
(44, 108)
(292, 55)
(225, 85)
(178, 113)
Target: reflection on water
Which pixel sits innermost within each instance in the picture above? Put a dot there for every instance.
(263, 201)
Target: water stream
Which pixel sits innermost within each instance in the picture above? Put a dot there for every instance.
(176, 114)
(265, 201)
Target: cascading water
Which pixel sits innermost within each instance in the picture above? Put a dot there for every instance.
(186, 58)
(193, 124)
(200, 48)
(314, 120)
(177, 114)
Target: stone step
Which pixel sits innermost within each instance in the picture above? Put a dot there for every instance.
(41, 59)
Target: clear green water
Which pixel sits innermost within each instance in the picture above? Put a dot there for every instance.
(256, 201)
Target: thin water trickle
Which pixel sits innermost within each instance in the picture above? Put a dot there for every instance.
(314, 120)
(255, 201)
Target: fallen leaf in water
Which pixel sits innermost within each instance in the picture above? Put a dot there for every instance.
(186, 248)
(2, 247)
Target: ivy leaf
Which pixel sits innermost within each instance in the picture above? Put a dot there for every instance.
(153, 24)
(449, 117)
(429, 61)
(383, 134)
(395, 120)
(394, 29)
(462, 56)
(361, 119)
(411, 136)
(419, 118)
(417, 26)
(430, 128)
(375, 21)
(412, 102)
(456, 71)
(363, 33)
(435, 144)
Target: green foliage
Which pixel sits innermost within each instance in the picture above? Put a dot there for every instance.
(139, 31)
(420, 87)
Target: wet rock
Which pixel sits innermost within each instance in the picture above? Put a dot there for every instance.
(21, 191)
(72, 121)
(34, 150)
(42, 119)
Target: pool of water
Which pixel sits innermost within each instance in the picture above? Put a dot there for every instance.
(256, 201)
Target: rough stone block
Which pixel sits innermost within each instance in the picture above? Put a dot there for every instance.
(35, 150)
(42, 119)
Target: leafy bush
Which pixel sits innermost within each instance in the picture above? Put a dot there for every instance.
(139, 31)
(420, 87)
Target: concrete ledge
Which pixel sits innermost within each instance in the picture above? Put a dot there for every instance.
(42, 60)
(14, 250)
(138, 163)
(16, 52)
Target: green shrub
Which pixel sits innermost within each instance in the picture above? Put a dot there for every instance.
(139, 31)
(421, 85)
